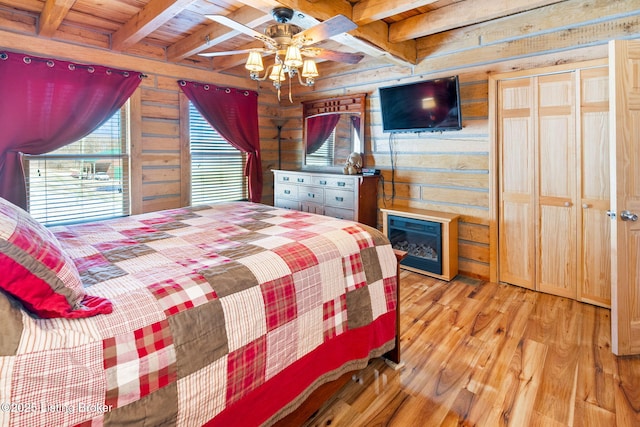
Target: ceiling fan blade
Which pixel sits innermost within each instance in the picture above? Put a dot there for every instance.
(331, 27)
(229, 52)
(221, 19)
(332, 55)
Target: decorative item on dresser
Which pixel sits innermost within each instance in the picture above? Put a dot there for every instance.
(352, 197)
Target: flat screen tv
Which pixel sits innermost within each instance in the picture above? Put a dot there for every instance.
(430, 105)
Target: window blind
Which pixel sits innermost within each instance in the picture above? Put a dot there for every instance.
(217, 168)
(85, 180)
(323, 156)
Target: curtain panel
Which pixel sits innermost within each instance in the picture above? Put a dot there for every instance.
(234, 114)
(47, 104)
(318, 130)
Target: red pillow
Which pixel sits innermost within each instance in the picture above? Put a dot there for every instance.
(35, 270)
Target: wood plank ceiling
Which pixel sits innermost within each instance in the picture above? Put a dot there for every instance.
(388, 30)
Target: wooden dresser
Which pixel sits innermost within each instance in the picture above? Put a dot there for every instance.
(352, 197)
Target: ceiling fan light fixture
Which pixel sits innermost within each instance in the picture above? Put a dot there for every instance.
(309, 69)
(293, 57)
(254, 62)
(291, 42)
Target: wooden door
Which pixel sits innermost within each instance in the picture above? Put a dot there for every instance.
(594, 237)
(624, 81)
(516, 141)
(556, 210)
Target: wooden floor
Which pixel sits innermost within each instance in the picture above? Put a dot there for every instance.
(479, 353)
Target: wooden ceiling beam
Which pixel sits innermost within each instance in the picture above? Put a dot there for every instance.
(154, 14)
(367, 11)
(322, 10)
(52, 15)
(458, 15)
(263, 5)
(215, 33)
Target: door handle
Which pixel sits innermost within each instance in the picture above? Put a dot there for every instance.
(628, 216)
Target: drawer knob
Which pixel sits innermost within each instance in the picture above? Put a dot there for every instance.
(340, 199)
(300, 179)
(285, 178)
(287, 191)
(323, 182)
(341, 184)
(311, 195)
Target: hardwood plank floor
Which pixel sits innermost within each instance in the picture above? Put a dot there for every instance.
(487, 354)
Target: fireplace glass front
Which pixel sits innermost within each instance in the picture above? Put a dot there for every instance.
(422, 240)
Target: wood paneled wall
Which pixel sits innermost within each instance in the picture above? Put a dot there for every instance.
(451, 172)
(455, 171)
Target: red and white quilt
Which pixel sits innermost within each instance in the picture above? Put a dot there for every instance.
(223, 314)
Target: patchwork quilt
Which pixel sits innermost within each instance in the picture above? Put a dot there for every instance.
(226, 314)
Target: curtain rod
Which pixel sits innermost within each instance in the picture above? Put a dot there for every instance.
(72, 66)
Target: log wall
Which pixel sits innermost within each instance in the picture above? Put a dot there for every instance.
(454, 171)
(450, 172)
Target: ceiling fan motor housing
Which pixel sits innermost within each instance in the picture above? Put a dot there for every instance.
(282, 33)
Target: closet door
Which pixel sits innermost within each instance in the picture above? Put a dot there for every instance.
(594, 265)
(556, 207)
(517, 168)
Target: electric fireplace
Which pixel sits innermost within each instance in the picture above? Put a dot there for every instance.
(429, 239)
(422, 240)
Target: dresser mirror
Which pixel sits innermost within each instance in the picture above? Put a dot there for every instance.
(333, 129)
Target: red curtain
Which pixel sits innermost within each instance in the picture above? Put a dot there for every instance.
(318, 130)
(234, 114)
(47, 104)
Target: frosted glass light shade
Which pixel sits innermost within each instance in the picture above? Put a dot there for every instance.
(276, 73)
(293, 58)
(254, 62)
(309, 69)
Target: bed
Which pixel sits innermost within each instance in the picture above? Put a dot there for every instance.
(228, 314)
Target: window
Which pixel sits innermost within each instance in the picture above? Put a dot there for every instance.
(323, 156)
(217, 168)
(85, 180)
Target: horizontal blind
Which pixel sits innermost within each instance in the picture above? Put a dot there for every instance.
(85, 180)
(323, 156)
(217, 168)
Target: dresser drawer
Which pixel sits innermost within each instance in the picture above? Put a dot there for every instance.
(334, 182)
(286, 191)
(340, 213)
(339, 198)
(311, 194)
(349, 197)
(294, 178)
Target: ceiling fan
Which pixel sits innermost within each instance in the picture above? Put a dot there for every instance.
(289, 43)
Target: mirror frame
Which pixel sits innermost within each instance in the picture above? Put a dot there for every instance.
(346, 104)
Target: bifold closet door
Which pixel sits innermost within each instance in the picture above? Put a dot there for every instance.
(594, 265)
(516, 101)
(556, 206)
